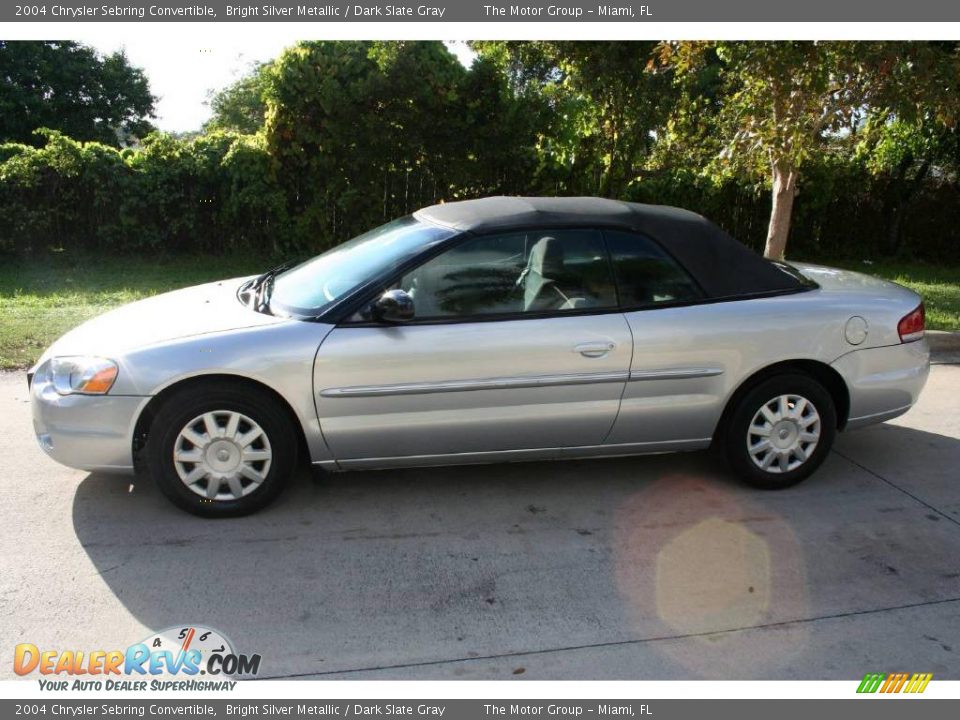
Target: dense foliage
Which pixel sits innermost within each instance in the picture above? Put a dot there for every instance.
(774, 107)
(334, 137)
(240, 106)
(65, 86)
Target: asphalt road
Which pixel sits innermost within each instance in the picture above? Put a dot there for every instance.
(645, 568)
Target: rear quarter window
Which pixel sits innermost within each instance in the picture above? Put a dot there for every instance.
(646, 275)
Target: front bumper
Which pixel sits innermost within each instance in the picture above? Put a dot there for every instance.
(884, 382)
(87, 432)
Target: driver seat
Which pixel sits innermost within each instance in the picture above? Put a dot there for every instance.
(545, 268)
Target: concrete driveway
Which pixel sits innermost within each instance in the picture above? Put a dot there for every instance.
(647, 568)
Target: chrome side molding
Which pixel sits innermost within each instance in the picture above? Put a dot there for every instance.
(675, 373)
(503, 383)
(512, 383)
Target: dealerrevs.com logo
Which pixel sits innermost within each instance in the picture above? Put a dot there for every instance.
(155, 663)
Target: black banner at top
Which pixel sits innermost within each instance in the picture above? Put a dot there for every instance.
(624, 11)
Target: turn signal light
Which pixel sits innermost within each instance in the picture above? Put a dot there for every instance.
(911, 325)
(82, 375)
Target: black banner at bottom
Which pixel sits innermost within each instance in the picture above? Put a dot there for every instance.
(872, 707)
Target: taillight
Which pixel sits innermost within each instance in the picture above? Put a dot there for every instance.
(911, 325)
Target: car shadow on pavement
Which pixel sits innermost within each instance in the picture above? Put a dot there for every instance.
(461, 572)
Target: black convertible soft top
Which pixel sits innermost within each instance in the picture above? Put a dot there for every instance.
(722, 266)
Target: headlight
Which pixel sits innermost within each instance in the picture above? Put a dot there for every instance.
(83, 375)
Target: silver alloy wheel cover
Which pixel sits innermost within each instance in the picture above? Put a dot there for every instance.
(222, 455)
(783, 434)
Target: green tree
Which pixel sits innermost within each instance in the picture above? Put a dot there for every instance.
(904, 158)
(499, 132)
(363, 131)
(240, 107)
(911, 139)
(609, 100)
(780, 104)
(68, 87)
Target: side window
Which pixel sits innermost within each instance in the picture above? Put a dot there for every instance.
(646, 275)
(534, 271)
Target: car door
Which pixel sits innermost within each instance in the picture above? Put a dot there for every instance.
(517, 347)
(676, 388)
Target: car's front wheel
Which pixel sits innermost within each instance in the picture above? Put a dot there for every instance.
(781, 431)
(221, 450)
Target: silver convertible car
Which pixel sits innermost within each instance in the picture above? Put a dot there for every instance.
(484, 331)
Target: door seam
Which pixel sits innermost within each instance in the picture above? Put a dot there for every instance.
(633, 349)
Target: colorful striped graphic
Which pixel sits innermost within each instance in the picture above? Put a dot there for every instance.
(894, 682)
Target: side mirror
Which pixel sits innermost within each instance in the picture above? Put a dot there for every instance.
(393, 306)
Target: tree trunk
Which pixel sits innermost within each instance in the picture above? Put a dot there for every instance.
(904, 192)
(606, 176)
(784, 190)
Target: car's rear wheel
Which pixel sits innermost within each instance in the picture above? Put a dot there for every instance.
(221, 451)
(781, 431)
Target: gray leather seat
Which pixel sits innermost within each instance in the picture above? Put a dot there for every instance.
(541, 278)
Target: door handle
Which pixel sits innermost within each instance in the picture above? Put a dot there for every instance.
(594, 349)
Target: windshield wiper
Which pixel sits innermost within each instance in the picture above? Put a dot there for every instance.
(261, 286)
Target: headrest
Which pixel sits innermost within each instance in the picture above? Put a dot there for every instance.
(546, 257)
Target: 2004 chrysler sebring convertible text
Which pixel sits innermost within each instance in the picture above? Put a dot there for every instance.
(484, 331)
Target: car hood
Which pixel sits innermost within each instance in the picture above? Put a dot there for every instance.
(197, 310)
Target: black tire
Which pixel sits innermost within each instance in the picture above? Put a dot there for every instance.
(221, 397)
(735, 436)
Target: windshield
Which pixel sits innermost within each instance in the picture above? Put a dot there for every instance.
(310, 287)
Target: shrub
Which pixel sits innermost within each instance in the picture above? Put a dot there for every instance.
(213, 193)
(229, 192)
